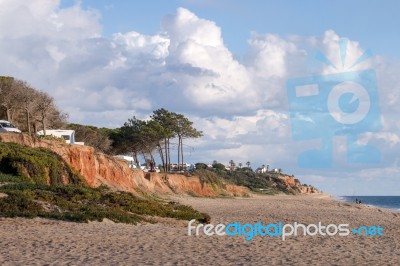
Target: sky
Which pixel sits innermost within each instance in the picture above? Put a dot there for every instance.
(224, 64)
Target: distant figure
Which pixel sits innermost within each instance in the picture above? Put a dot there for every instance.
(359, 202)
(152, 166)
(356, 201)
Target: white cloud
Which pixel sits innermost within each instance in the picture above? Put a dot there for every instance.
(185, 25)
(21, 19)
(136, 46)
(213, 78)
(268, 55)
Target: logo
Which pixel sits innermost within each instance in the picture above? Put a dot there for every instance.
(249, 231)
(339, 104)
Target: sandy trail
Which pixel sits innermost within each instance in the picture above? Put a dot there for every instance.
(39, 241)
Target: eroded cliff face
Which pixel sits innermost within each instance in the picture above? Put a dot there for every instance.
(309, 190)
(98, 168)
(290, 181)
(294, 184)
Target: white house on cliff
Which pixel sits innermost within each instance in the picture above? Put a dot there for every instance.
(66, 134)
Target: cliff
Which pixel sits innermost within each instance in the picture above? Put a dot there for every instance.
(97, 168)
(291, 182)
(309, 190)
(294, 184)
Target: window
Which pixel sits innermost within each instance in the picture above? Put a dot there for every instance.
(5, 124)
(66, 137)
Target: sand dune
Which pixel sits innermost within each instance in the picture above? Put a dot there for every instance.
(39, 241)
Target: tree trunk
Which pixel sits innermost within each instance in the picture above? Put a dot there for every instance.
(136, 159)
(44, 123)
(162, 156)
(151, 156)
(179, 151)
(166, 155)
(182, 152)
(8, 113)
(12, 112)
(144, 157)
(28, 121)
(169, 157)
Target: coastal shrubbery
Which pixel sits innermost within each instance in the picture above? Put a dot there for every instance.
(36, 165)
(83, 204)
(210, 177)
(260, 183)
(32, 185)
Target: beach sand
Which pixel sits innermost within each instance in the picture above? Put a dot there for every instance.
(40, 241)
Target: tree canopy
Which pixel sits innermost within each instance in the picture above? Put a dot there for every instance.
(27, 107)
(145, 137)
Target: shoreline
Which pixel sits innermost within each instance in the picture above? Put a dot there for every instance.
(343, 199)
(57, 242)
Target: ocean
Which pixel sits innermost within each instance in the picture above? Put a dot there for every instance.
(388, 202)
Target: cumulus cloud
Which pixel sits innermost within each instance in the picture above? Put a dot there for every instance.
(213, 78)
(241, 105)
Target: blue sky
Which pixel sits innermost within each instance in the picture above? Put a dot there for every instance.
(373, 23)
(224, 64)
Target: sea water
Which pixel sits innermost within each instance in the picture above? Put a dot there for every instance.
(388, 202)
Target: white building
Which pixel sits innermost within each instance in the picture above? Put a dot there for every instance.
(261, 170)
(129, 159)
(182, 166)
(67, 135)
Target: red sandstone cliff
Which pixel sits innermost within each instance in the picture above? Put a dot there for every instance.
(309, 190)
(293, 184)
(98, 168)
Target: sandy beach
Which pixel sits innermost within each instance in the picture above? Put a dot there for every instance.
(48, 242)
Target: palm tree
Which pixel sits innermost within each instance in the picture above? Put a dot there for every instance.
(232, 164)
(248, 164)
(240, 165)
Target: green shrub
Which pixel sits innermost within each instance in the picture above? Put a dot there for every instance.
(37, 165)
(210, 177)
(259, 183)
(83, 204)
(219, 166)
(19, 204)
(12, 178)
(201, 166)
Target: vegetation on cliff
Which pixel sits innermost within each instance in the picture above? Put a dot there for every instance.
(27, 107)
(33, 184)
(147, 137)
(93, 136)
(31, 109)
(37, 165)
(264, 183)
